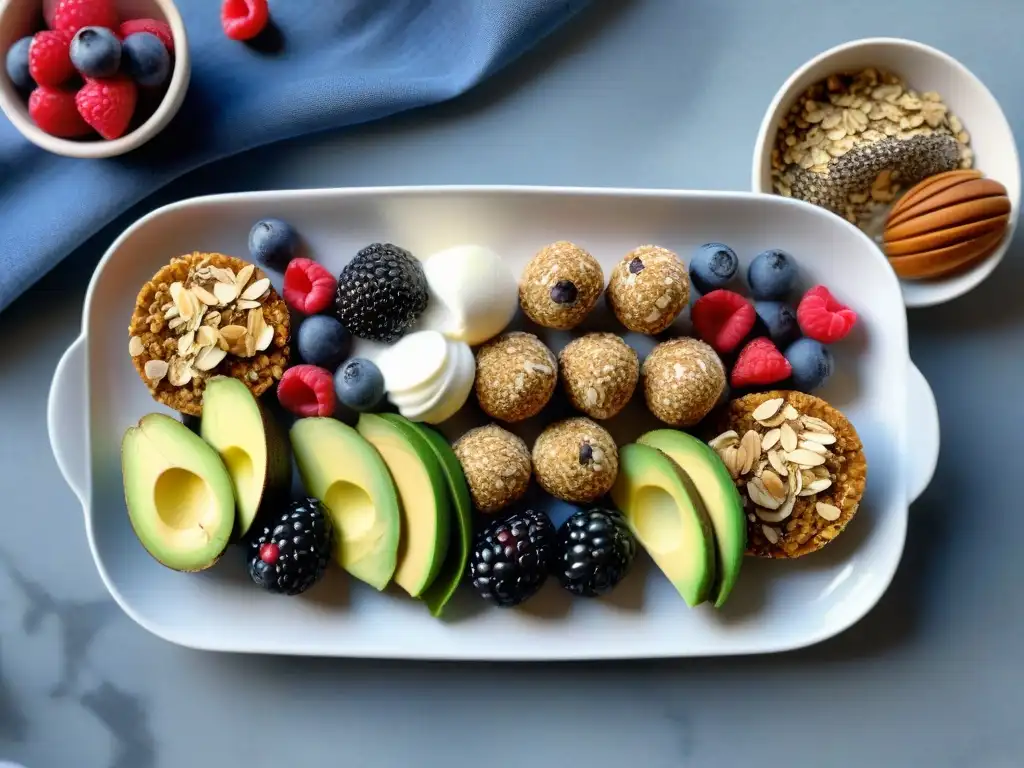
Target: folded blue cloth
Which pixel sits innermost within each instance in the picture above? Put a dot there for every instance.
(339, 63)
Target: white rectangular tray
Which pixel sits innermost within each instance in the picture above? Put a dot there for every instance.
(777, 605)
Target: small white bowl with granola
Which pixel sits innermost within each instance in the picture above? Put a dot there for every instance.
(861, 93)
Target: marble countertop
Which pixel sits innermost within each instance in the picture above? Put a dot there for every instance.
(654, 93)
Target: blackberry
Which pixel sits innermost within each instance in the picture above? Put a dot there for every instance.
(381, 292)
(291, 555)
(512, 557)
(595, 552)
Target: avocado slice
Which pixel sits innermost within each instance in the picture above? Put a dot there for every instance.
(667, 517)
(423, 495)
(178, 493)
(721, 500)
(461, 533)
(253, 447)
(346, 473)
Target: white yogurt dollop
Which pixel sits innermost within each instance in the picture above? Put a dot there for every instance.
(473, 294)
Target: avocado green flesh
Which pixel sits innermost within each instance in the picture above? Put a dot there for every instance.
(423, 498)
(721, 501)
(346, 473)
(252, 446)
(460, 536)
(668, 519)
(178, 492)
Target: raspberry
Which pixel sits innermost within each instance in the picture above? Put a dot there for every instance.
(54, 111)
(723, 319)
(107, 105)
(759, 363)
(244, 19)
(159, 28)
(71, 15)
(49, 58)
(307, 390)
(822, 317)
(308, 287)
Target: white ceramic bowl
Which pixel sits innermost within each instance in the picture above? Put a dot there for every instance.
(96, 394)
(925, 69)
(19, 18)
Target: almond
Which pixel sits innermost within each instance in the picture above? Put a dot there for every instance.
(945, 223)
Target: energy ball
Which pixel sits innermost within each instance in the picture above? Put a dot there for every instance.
(599, 372)
(515, 376)
(576, 460)
(648, 289)
(560, 286)
(496, 464)
(683, 380)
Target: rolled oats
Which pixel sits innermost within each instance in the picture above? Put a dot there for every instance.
(848, 128)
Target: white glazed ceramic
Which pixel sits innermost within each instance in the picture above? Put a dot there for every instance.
(777, 605)
(925, 69)
(23, 17)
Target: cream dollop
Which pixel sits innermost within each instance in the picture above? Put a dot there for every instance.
(473, 294)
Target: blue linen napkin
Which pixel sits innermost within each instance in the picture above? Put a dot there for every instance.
(338, 63)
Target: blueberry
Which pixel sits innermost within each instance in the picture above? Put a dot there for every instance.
(359, 384)
(772, 275)
(17, 65)
(146, 59)
(779, 322)
(323, 341)
(96, 52)
(812, 364)
(713, 266)
(564, 292)
(273, 242)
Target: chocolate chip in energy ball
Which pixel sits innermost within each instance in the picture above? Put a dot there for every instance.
(636, 266)
(564, 292)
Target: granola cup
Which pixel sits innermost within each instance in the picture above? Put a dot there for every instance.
(799, 466)
(203, 315)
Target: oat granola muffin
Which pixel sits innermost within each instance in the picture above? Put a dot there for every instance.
(202, 315)
(799, 466)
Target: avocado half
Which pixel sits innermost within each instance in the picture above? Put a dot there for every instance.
(423, 496)
(666, 515)
(178, 492)
(722, 501)
(460, 535)
(252, 446)
(346, 473)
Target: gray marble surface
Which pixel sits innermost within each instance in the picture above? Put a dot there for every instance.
(664, 93)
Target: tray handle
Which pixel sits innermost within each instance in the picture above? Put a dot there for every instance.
(924, 434)
(66, 413)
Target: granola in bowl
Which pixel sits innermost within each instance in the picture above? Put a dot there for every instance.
(799, 466)
(202, 315)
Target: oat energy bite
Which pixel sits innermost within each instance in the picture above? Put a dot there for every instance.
(648, 289)
(560, 285)
(202, 315)
(516, 375)
(799, 466)
(599, 372)
(496, 464)
(683, 380)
